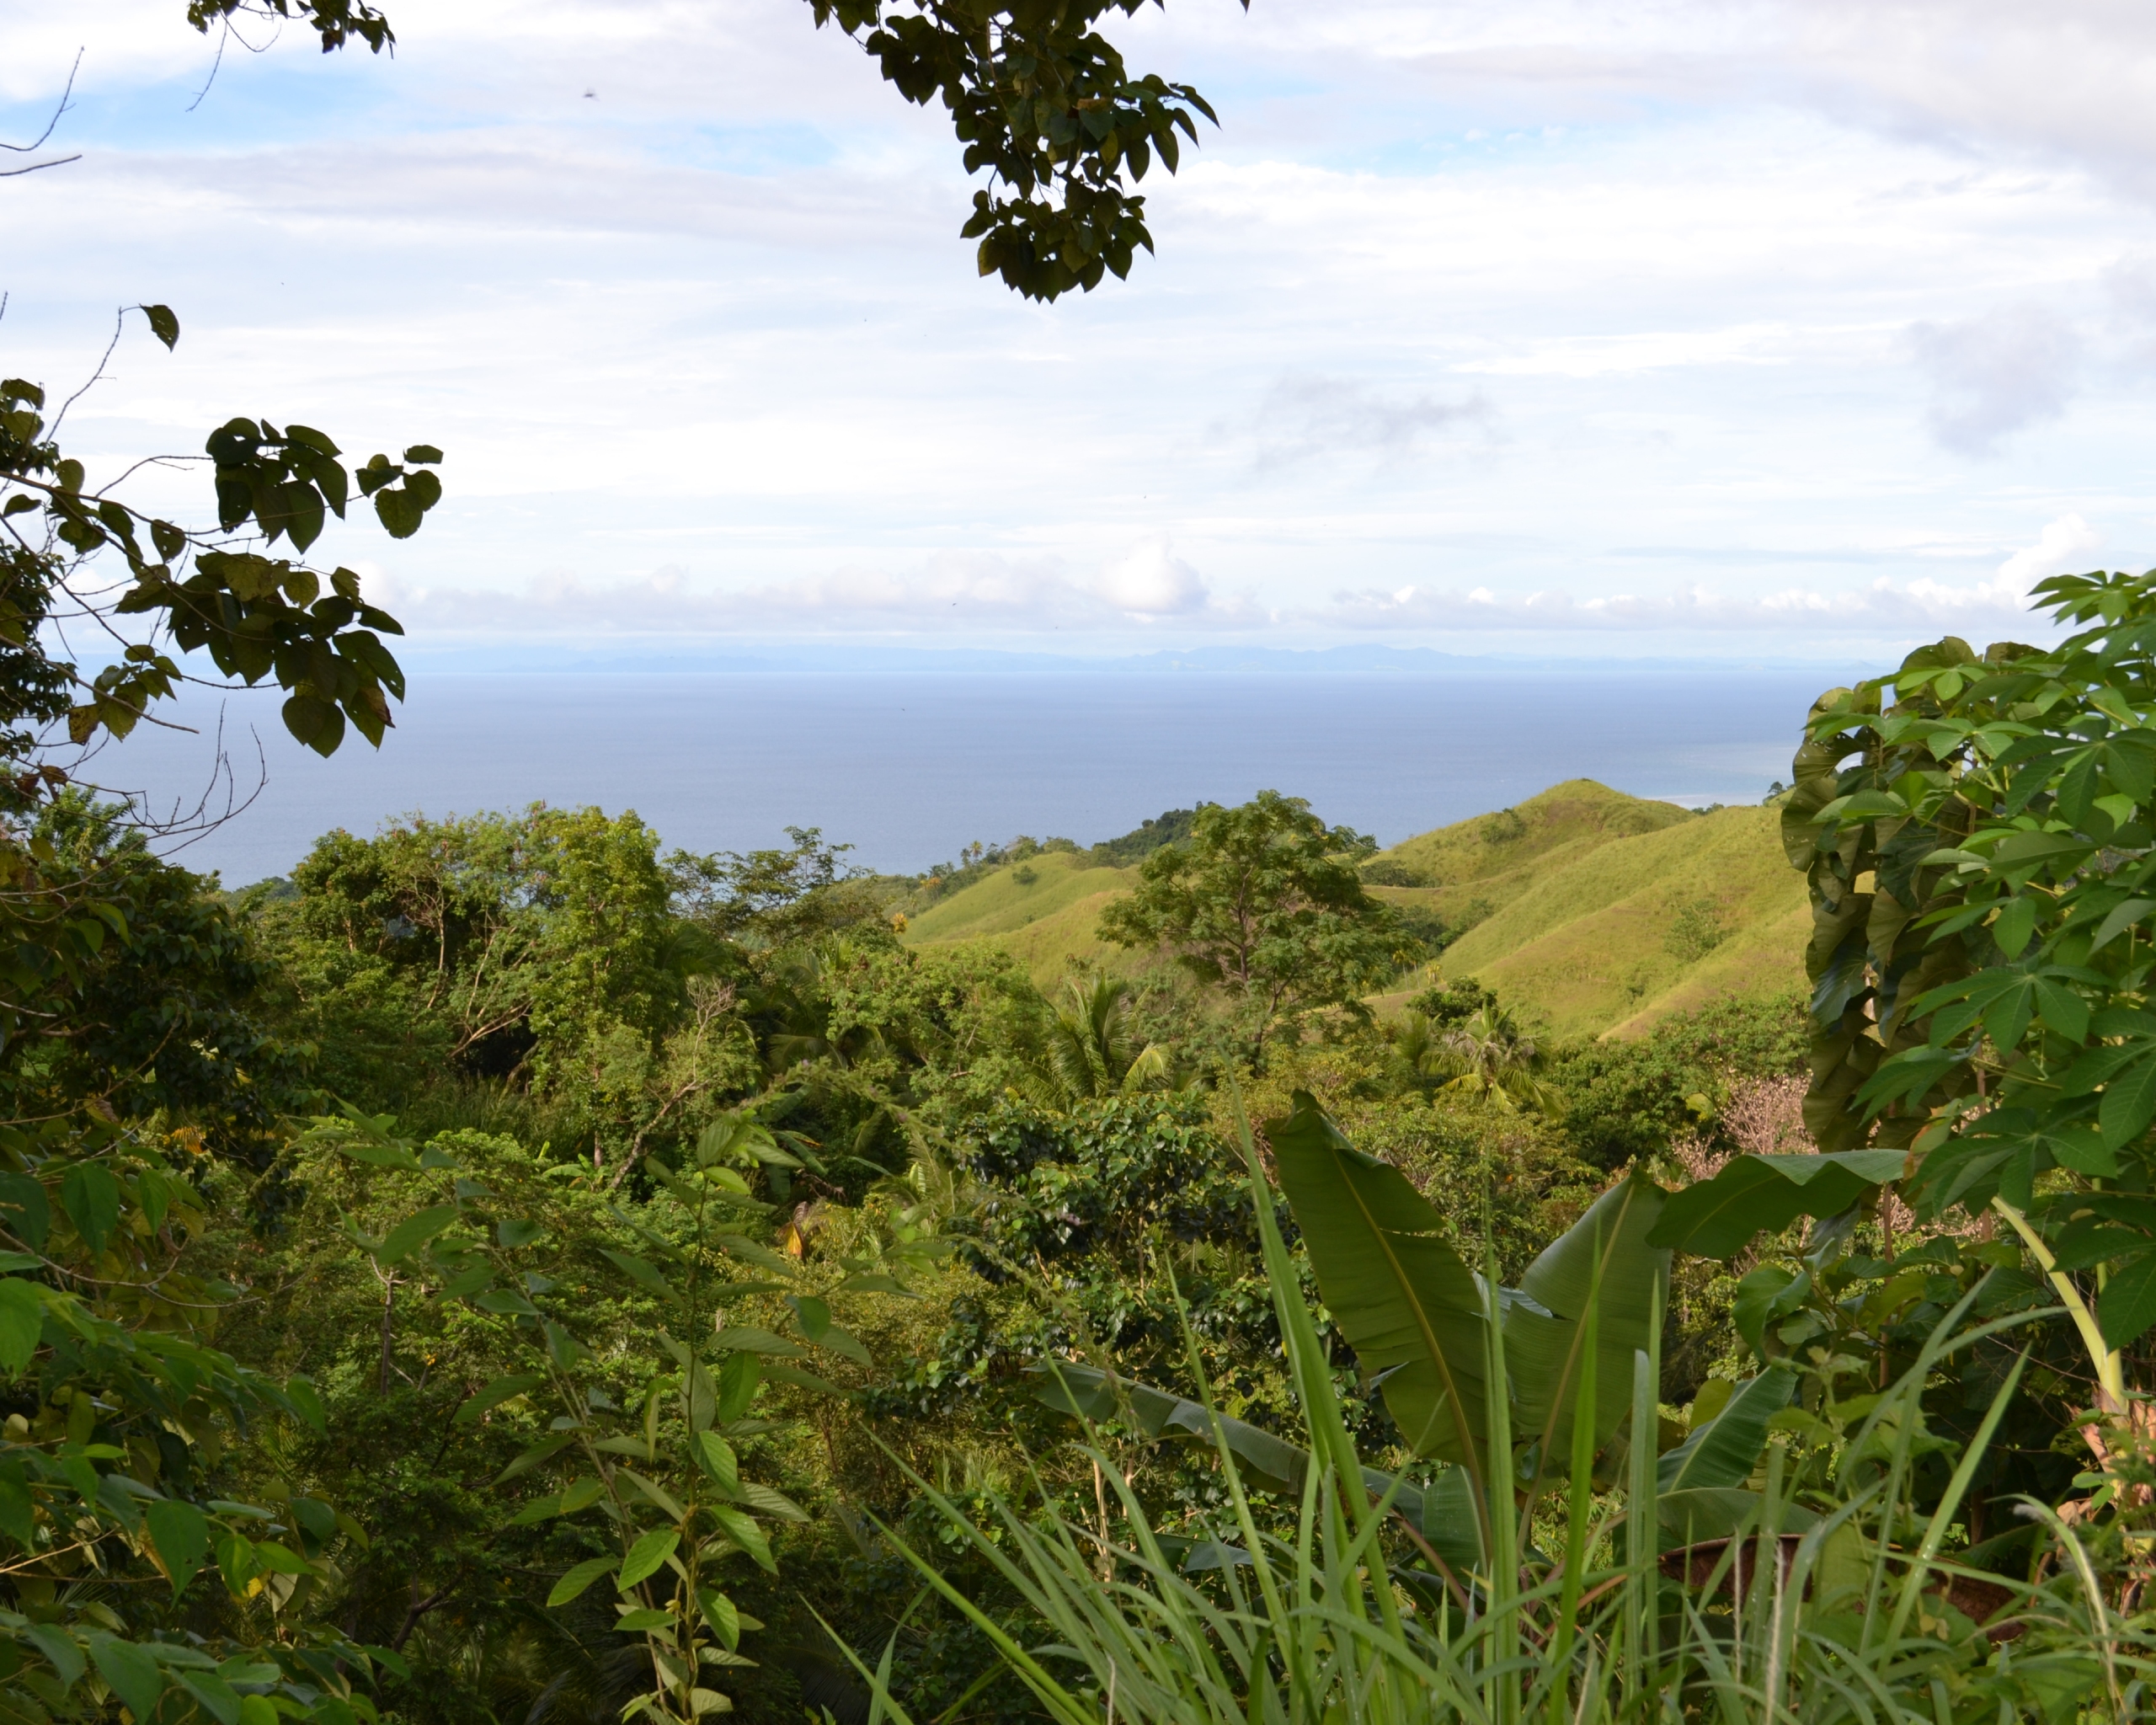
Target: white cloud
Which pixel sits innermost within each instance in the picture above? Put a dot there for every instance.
(1302, 419)
(1993, 375)
(2062, 548)
(947, 596)
(1614, 338)
(1151, 581)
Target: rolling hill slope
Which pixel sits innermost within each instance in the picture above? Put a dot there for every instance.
(1597, 912)
(1043, 910)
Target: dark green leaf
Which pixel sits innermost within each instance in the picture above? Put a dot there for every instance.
(650, 1554)
(413, 1232)
(182, 1538)
(22, 1320)
(637, 1269)
(501, 1389)
(132, 1673)
(91, 1197)
(2126, 1308)
(577, 1580)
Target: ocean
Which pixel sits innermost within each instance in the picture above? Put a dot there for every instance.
(908, 768)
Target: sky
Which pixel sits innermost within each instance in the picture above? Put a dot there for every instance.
(1730, 330)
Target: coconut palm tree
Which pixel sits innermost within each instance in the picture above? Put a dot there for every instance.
(1089, 1044)
(1484, 1058)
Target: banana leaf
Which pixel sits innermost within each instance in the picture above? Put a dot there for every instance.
(1442, 1512)
(1722, 1452)
(1541, 1330)
(1400, 1295)
(1717, 1218)
(1700, 1513)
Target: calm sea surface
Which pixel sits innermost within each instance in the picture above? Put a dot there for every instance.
(909, 768)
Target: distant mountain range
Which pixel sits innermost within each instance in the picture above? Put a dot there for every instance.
(672, 657)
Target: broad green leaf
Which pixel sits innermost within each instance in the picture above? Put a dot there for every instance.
(719, 1612)
(815, 1315)
(737, 1386)
(840, 1340)
(22, 1320)
(2126, 1308)
(132, 1673)
(91, 1197)
(2015, 924)
(577, 1580)
(501, 1389)
(236, 1563)
(1541, 1338)
(741, 1528)
(166, 327)
(301, 1391)
(1724, 1451)
(658, 1497)
(2123, 916)
(767, 1502)
(648, 1556)
(779, 1372)
(33, 1217)
(715, 1456)
(536, 1454)
(636, 1270)
(735, 1246)
(2129, 1104)
(1398, 1292)
(1717, 1218)
(181, 1536)
(644, 1617)
(413, 1232)
(515, 1231)
(60, 1651)
(17, 1516)
(746, 1339)
(1762, 1295)
(218, 1698)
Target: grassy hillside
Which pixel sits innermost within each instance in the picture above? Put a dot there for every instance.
(1646, 924)
(1043, 910)
(1597, 911)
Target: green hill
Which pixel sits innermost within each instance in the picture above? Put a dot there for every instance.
(1597, 912)
(1042, 909)
(1646, 924)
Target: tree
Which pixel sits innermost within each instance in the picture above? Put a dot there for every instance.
(1043, 102)
(1979, 831)
(1090, 1047)
(1262, 902)
(1487, 1057)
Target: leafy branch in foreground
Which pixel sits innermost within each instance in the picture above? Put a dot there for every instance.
(1043, 102)
(1980, 833)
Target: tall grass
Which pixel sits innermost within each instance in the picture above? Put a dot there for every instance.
(1337, 1614)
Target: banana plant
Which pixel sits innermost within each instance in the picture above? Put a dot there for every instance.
(1565, 1345)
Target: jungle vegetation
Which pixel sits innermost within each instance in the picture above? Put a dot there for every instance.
(510, 1270)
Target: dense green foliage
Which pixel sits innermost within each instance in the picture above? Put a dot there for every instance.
(509, 1271)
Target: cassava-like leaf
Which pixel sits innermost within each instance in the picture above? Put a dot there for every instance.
(1718, 1217)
